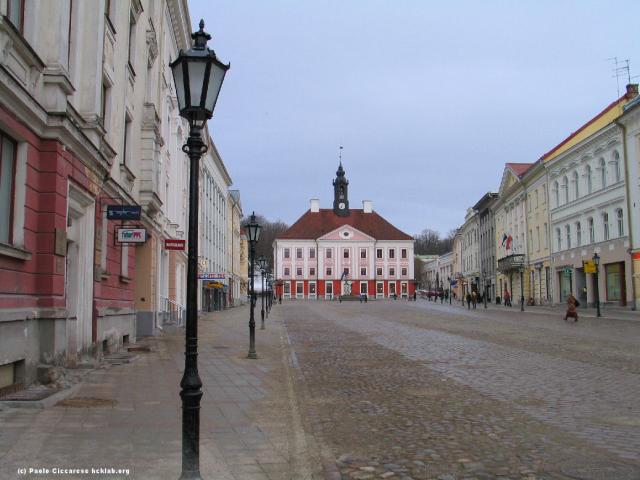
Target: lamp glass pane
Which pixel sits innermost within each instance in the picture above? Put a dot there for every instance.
(257, 232)
(178, 79)
(196, 80)
(216, 76)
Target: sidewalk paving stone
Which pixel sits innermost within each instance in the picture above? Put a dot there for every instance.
(128, 415)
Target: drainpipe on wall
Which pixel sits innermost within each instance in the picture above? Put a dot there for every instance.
(629, 216)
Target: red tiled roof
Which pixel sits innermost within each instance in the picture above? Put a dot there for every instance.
(519, 168)
(315, 225)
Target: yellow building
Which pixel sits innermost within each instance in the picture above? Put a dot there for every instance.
(539, 273)
(511, 235)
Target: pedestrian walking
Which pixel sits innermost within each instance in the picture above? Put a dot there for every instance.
(469, 301)
(280, 299)
(507, 298)
(474, 298)
(441, 296)
(572, 303)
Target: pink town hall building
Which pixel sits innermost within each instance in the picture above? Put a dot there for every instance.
(328, 253)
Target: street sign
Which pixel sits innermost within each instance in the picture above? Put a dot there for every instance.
(174, 244)
(211, 276)
(124, 212)
(589, 266)
(131, 235)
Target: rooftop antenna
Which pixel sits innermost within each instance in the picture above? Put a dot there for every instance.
(621, 68)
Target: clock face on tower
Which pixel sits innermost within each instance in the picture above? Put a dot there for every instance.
(341, 206)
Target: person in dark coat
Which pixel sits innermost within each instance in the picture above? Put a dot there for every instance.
(469, 301)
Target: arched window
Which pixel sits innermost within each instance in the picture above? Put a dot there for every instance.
(592, 233)
(620, 219)
(556, 193)
(576, 186)
(616, 166)
(565, 189)
(578, 234)
(589, 182)
(605, 225)
(603, 173)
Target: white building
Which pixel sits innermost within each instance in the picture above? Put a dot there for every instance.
(214, 256)
(588, 210)
(630, 122)
(470, 252)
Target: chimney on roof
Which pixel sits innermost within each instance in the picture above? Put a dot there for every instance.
(315, 205)
(367, 206)
(632, 90)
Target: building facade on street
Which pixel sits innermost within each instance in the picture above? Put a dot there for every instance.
(329, 253)
(93, 180)
(470, 246)
(234, 271)
(78, 108)
(484, 209)
(588, 210)
(630, 124)
(539, 272)
(214, 253)
(511, 241)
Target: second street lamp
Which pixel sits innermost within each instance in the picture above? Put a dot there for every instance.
(253, 231)
(198, 76)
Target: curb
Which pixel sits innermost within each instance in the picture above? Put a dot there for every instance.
(48, 402)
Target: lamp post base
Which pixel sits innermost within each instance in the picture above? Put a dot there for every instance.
(252, 355)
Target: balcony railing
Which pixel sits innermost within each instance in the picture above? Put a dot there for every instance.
(511, 262)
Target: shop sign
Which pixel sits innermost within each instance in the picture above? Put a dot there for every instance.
(131, 235)
(174, 244)
(124, 212)
(211, 276)
(589, 266)
(567, 271)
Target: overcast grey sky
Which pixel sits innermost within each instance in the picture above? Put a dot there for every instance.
(429, 99)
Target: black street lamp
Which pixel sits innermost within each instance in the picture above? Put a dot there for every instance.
(450, 292)
(262, 263)
(596, 260)
(521, 289)
(253, 231)
(198, 76)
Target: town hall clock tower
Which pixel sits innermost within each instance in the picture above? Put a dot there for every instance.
(340, 193)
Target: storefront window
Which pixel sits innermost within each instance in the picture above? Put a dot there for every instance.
(614, 281)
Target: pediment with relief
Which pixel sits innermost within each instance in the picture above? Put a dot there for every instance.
(346, 233)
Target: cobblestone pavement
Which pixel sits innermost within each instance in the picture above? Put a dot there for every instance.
(428, 391)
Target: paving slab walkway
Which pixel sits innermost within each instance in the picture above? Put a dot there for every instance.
(125, 419)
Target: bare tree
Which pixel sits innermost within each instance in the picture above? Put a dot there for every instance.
(268, 234)
(429, 242)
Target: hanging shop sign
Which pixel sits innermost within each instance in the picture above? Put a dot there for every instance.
(567, 271)
(130, 235)
(211, 276)
(124, 212)
(174, 244)
(589, 266)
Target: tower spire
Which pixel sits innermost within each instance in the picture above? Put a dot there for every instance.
(340, 191)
